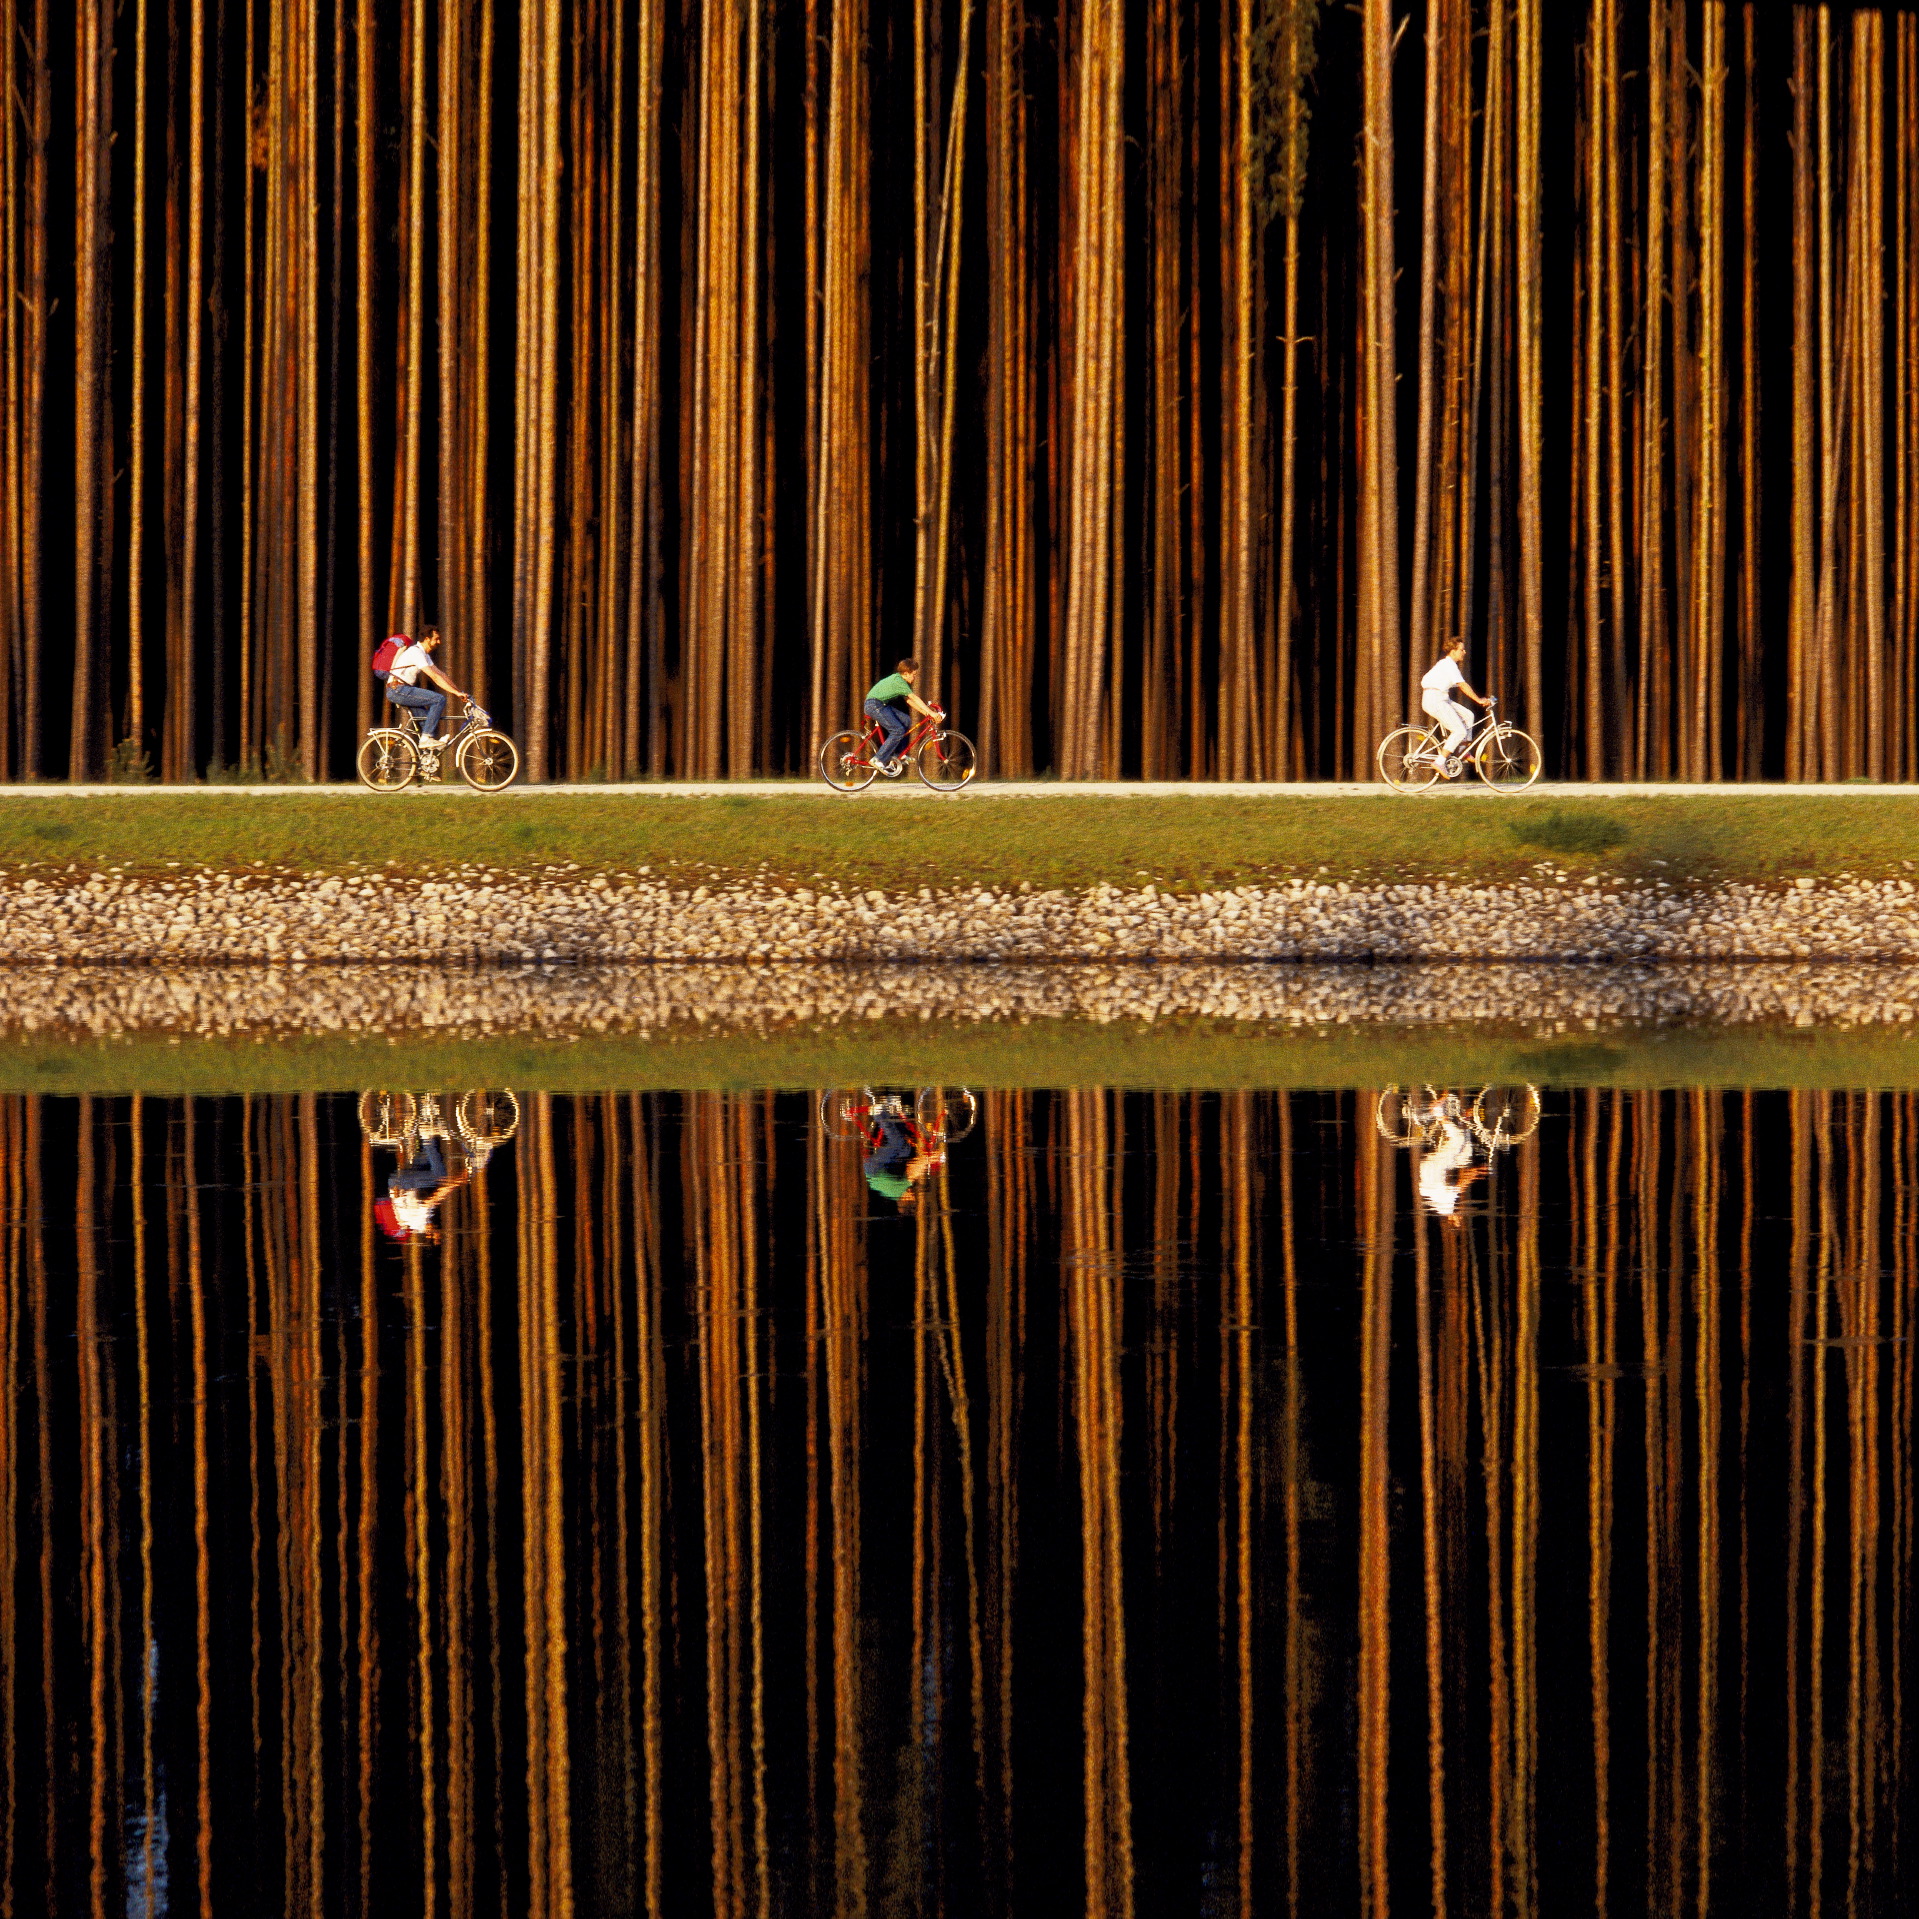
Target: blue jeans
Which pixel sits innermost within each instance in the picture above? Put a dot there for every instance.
(428, 702)
(893, 725)
(426, 1174)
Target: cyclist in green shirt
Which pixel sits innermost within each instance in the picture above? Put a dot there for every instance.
(887, 701)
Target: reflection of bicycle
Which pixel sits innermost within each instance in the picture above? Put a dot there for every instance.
(938, 1116)
(945, 761)
(1499, 1116)
(1415, 757)
(393, 757)
(480, 1122)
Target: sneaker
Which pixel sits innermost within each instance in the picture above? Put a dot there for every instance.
(429, 739)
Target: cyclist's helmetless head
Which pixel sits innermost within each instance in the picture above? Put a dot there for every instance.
(1457, 648)
(907, 668)
(429, 637)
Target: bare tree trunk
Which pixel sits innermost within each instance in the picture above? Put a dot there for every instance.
(1380, 686)
(1709, 585)
(1420, 629)
(1528, 212)
(136, 718)
(1283, 764)
(363, 125)
(92, 405)
(1007, 636)
(11, 299)
(1867, 214)
(1803, 759)
(1092, 554)
(1750, 745)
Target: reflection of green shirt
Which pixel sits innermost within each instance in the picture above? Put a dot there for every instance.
(893, 687)
(888, 1185)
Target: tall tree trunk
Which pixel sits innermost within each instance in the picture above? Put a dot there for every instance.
(1092, 550)
(1381, 685)
(92, 402)
(1007, 636)
(1803, 758)
(1530, 373)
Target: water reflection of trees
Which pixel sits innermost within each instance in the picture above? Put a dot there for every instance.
(1169, 1496)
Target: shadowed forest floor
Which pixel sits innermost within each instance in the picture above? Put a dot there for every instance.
(1175, 842)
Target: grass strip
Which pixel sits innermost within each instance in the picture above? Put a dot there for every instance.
(1200, 1055)
(1178, 843)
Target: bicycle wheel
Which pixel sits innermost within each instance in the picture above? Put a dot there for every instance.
(1508, 760)
(388, 760)
(844, 1111)
(1408, 759)
(946, 762)
(846, 762)
(488, 760)
(490, 1118)
(949, 1111)
(387, 1118)
(1401, 1113)
(1504, 1115)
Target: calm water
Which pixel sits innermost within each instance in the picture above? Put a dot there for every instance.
(1181, 1504)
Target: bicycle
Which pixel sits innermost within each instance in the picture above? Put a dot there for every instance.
(944, 760)
(393, 757)
(481, 1121)
(1499, 1116)
(1412, 758)
(941, 1116)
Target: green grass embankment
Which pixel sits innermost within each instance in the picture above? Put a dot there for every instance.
(1198, 1055)
(1179, 843)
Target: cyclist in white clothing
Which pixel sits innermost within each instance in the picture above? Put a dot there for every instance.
(1447, 1169)
(1436, 690)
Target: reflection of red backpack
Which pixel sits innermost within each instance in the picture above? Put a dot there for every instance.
(388, 1223)
(383, 656)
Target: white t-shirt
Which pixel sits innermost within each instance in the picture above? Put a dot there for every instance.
(412, 1211)
(1453, 1154)
(1438, 679)
(406, 665)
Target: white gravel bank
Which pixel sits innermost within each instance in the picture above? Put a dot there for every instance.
(559, 913)
(554, 1001)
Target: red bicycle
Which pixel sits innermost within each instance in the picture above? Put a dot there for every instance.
(944, 760)
(938, 1117)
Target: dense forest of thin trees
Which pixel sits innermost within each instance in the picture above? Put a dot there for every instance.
(1170, 376)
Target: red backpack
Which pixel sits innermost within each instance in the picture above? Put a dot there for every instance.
(384, 654)
(388, 1221)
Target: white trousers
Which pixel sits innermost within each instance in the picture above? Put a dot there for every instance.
(1451, 715)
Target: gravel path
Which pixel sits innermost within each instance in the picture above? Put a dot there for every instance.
(557, 913)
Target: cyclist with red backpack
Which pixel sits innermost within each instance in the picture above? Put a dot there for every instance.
(400, 666)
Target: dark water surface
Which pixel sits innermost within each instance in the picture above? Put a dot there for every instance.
(1168, 1511)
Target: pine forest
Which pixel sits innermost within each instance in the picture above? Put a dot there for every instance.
(1172, 377)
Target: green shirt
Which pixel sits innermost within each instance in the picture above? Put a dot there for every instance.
(893, 687)
(888, 1185)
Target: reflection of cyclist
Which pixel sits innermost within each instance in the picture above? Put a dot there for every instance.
(886, 702)
(414, 1192)
(894, 1165)
(1446, 1169)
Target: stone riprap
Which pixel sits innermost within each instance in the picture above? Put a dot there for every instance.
(555, 1001)
(561, 913)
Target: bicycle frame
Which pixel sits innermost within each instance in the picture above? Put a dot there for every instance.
(1487, 719)
(917, 735)
(472, 721)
